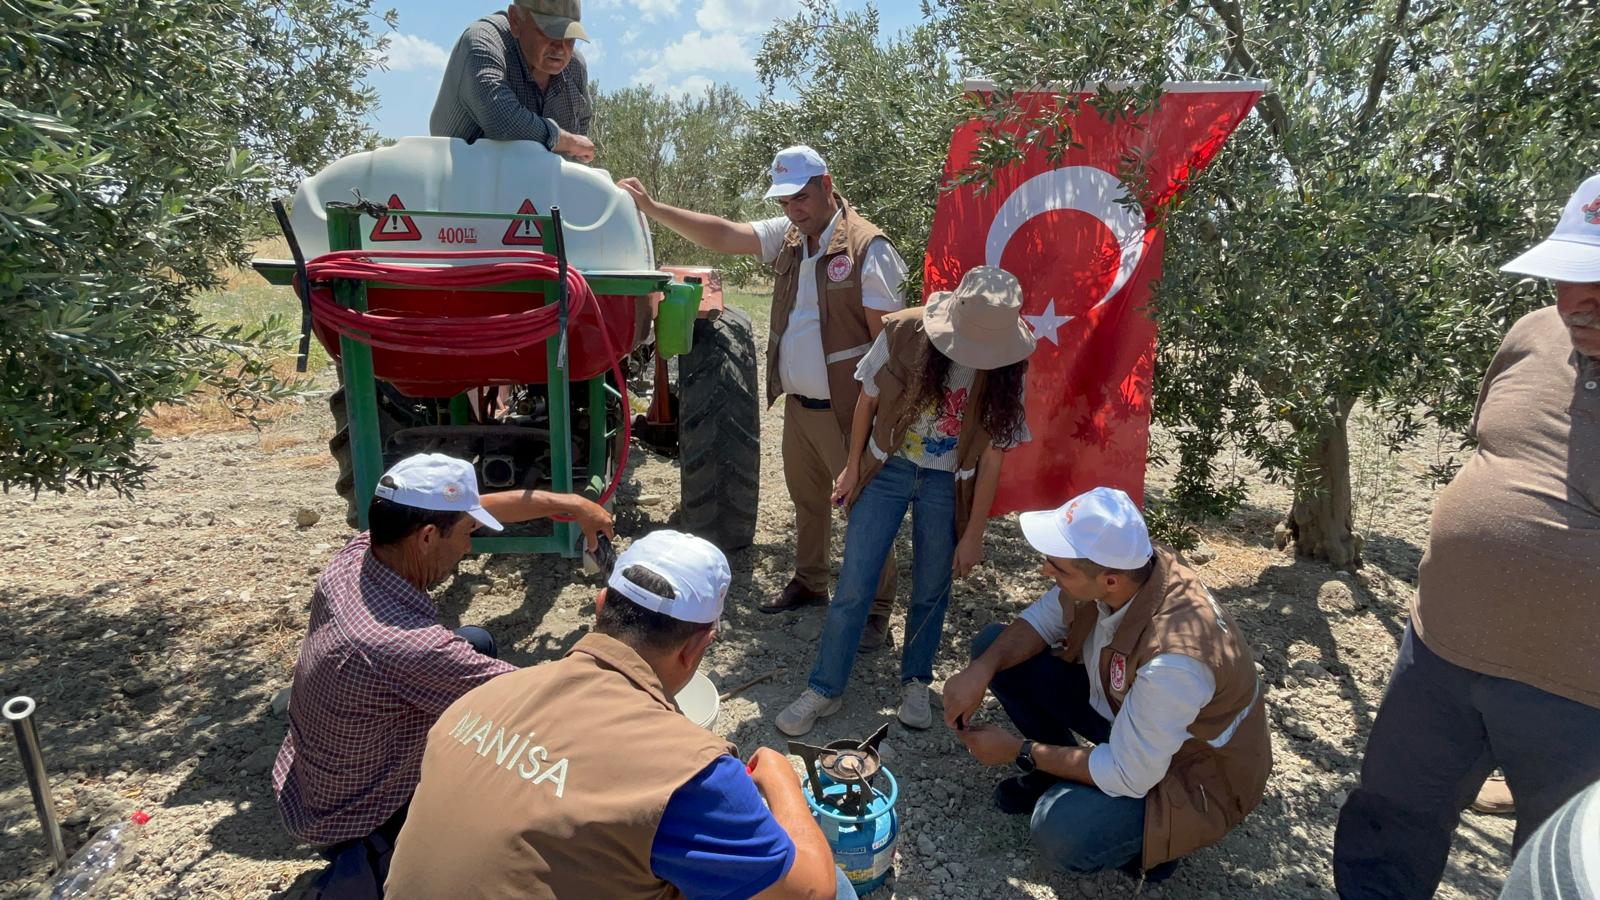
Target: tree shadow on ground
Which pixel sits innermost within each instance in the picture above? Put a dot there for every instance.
(115, 707)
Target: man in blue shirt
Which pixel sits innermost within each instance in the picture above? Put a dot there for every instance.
(580, 777)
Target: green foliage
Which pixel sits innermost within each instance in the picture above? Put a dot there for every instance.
(878, 108)
(682, 148)
(1343, 247)
(137, 143)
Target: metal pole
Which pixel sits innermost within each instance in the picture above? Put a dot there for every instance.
(19, 712)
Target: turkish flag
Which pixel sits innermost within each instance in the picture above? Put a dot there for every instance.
(1086, 255)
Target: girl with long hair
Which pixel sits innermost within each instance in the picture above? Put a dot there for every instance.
(941, 402)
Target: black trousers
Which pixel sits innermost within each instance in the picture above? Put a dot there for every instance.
(1440, 730)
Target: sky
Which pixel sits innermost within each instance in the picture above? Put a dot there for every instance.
(673, 45)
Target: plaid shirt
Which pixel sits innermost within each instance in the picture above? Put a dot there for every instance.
(375, 671)
(488, 93)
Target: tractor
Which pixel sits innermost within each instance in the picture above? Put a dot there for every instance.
(498, 303)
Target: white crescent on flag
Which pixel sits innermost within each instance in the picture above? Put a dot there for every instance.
(1086, 189)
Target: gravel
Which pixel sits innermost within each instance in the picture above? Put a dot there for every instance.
(159, 639)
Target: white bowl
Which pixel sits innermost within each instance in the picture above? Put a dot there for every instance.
(699, 700)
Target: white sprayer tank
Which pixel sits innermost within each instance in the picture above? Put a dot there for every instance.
(604, 230)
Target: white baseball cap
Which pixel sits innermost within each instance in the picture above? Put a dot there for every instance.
(435, 481)
(696, 569)
(792, 168)
(1102, 526)
(1571, 252)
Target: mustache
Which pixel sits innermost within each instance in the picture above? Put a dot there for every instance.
(1583, 319)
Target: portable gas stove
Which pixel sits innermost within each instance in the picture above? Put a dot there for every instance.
(855, 815)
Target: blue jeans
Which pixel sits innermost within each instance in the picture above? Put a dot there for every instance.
(1075, 827)
(874, 522)
(480, 639)
(1439, 732)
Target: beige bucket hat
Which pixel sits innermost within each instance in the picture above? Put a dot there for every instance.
(979, 324)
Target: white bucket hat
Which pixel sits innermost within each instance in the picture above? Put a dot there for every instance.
(979, 324)
(1572, 252)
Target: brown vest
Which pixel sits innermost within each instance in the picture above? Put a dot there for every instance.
(898, 383)
(845, 338)
(550, 782)
(1207, 790)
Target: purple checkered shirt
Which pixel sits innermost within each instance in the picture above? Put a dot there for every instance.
(374, 673)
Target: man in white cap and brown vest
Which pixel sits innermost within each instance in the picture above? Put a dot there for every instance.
(835, 277)
(1129, 650)
(1498, 666)
(581, 778)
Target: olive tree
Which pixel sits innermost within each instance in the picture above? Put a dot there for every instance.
(682, 148)
(138, 143)
(879, 108)
(1341, 250)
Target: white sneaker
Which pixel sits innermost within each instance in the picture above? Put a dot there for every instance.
(914, 711)
(798, 717)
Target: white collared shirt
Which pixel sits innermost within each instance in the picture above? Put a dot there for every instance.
(801, 357)
(1167, 695)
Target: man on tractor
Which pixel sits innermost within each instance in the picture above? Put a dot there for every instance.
(515, 76)
(376, 668)
(835, 277)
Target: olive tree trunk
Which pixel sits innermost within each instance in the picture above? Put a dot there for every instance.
(1321, 519)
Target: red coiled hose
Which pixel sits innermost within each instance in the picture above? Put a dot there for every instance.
(462, 335)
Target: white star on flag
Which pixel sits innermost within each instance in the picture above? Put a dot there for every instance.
(1044, 327)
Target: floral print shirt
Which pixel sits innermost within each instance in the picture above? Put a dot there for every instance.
(931, 440)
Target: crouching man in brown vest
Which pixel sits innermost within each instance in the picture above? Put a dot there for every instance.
(1148, 667)
(835, 275)
(580, 777)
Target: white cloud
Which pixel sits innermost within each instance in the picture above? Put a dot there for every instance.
(697, 52)
(655, 10)
(629, 36)
(410, 53)
(592, 52)
(744, 16)
(689, 85)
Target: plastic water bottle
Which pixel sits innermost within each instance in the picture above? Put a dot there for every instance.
(93, 866)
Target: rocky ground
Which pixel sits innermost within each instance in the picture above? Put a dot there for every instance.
(155, 635)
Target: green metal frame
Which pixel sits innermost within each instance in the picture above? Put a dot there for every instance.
(361, 396)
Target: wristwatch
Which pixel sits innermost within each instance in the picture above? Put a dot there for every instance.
(1025, 756)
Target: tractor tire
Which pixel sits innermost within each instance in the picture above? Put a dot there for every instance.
(339, 448)
(719, 432)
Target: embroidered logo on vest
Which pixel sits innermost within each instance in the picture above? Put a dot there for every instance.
(839, 268)
(1119, 672)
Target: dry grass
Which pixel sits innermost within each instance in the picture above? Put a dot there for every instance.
(315, 460)
(272, 443)
(206, 413)
(266, 248)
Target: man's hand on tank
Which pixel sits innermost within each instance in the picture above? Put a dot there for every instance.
(576, 146)
(641, 196)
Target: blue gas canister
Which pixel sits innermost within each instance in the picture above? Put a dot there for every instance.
(852, 797)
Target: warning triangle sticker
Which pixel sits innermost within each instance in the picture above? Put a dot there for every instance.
(395, 228)
(524, 232)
